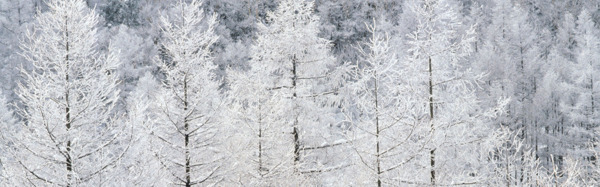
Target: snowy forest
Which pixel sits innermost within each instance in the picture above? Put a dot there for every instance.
(299, 92)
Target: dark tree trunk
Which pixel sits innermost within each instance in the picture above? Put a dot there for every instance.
(432, 151)
(186, 127)
(295, 131)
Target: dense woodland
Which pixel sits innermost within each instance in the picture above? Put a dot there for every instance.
(299, 93)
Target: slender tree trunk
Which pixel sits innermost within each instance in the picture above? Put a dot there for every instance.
(591, 120)
(68, 154)
(188, 181)
(19, 7)
(378, 155)
(186, 125)
(296, 146)
(432, 151)
(507, 171)
(260, 141)
(295, 131)
(69, 160)
(523, 119)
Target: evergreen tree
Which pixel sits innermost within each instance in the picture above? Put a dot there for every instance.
(70, 134)
(292, 65)
(443, 89)
(187, 106)
(380, 108)
(581, 100)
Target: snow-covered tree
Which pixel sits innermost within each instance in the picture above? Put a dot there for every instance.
(514, 54)
(443, 85)
(565, 37)
(581, 98)
(70, 134)
(587, 45)
(262, 158)
(139, 166)
(514, 59)
(187, 106)
(293, 67)
(547, 101)
(379, 107)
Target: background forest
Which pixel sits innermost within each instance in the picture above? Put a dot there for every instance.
(299, 93)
